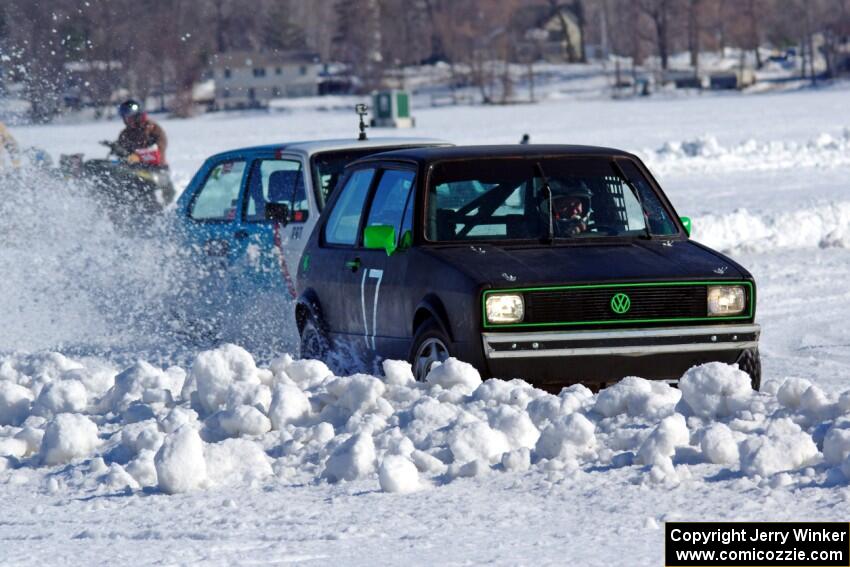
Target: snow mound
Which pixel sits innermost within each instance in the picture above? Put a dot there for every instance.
(706, 153)
(825, 225)
(229, 421)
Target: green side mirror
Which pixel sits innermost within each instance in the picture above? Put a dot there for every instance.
(380, 237)
(687, 222)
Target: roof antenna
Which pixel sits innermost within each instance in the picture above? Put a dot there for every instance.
(362, 110)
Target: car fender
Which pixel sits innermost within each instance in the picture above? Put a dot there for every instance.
(432, 306)
(308, 304)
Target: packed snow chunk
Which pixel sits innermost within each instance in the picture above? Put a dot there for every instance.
(131, 385)
(62, 396)
(143, 469)
(514, 392)
(242, 420)
(67, 437)
(454, 373)
(398, 474)
(719, 445)
(716, 389)
(141, 436)
(398, 373)
(791, 392)
(176, 418)
(15, 403)
(358, 393)
(516, 425)
(636, 397)
(12, 447)
(180, 464)
(32, 437)
(836, 444)
(353, 459)
(476, 440)
(518, 460)
(306, 373)
(661, 444)
(237, 461)
(569, 436)
(782, 447)
(289, 405)
(227, 377)
(427, 463)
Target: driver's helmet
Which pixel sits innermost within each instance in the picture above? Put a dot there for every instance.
(565, 191)
(130, 109)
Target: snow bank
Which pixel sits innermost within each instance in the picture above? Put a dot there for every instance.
(706, 153)
(227, 421)
(826, 225)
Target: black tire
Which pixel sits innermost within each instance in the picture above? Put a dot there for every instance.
(314, 341)
(430, 344)
(750, 362)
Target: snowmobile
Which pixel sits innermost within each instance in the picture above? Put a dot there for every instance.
(126, 185)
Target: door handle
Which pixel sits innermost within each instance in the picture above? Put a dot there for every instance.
(240, 234)
(353, 265)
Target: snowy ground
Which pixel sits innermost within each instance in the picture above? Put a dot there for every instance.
(499, 473)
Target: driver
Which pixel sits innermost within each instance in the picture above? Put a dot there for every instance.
(142, 138)
(570, 208)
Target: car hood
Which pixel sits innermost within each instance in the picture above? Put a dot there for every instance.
(495, 266)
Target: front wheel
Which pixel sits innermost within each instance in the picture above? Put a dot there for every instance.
(430, 345)
(750, 362)
(314, 341)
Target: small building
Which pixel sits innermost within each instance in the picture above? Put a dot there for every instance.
(246, 79)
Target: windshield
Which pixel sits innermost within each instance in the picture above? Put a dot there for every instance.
(538, 199)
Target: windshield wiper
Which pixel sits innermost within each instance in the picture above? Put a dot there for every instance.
(622, 175)
(548, 189)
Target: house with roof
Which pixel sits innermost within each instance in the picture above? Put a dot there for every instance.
(251, 79)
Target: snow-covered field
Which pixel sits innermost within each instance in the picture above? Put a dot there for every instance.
(119, 443)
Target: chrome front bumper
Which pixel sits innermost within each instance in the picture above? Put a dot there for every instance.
(630, 342)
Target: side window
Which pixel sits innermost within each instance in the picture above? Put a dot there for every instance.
(344, 219)
(275, 181)
(390, 199)
(218, 197)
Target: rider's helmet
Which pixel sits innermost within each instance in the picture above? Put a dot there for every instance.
(567, 191)
(130, 109)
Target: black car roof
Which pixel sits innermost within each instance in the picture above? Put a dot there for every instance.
(433, 154)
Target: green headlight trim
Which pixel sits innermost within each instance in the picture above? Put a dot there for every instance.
(751, 301)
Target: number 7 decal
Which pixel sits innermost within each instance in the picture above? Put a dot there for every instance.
(377, 275)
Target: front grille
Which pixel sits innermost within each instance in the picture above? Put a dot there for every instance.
(589, 305)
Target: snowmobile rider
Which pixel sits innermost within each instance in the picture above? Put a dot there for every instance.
(10, 154)
(143, 139)
(570, 208)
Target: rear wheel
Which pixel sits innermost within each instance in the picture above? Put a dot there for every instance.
(314, 341)
(750, 362)
(430, 345)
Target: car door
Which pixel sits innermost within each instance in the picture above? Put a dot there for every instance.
(210, 212)
(336, 268)
(384, 306)
(274, 248)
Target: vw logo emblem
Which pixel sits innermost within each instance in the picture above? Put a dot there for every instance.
(620, 303)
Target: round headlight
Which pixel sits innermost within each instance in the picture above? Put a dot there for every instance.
(726, 300)
(505, 308)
